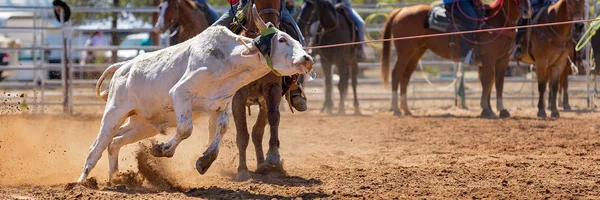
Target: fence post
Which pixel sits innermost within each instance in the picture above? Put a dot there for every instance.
(65, 65)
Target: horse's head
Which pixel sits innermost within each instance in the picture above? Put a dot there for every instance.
(576, 9)
(168, 16)
(269, 10)
(307, 16)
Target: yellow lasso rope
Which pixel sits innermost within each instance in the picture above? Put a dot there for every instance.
(591, 31)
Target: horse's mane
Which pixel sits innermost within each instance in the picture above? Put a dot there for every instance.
(328, 5)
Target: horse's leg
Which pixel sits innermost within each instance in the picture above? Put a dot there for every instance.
(258, 131)
(134, 130)
(556, 72)
(328, 104)
(501, 67)
(273, 100)
(410, 68)
(542, 81)
(343, 68)
(354, 70)
(487, 82)
(238, 109)
(564, 84)
(401, 62)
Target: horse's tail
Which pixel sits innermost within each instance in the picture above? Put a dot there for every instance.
(104, 94)
(385, 52)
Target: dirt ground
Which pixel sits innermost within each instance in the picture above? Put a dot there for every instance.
(439, 153)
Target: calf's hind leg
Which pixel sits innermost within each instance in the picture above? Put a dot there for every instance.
(113, 118)
(210, 155)
(135, 130)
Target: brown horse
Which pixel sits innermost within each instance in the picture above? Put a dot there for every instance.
(265, 92)
(549, 47)
(335, 28)
(408, 21)
(181, 19)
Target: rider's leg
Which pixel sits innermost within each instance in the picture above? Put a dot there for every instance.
(227, 18)
(287, 18)
(518, 50)
(469, 24)
(360, 25)
(297, 99)
(211, 14)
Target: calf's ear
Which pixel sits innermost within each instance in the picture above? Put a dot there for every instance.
(251, 50)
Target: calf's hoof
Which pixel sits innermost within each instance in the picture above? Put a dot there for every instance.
(204, 162)
(487, 114)
(504, 114)
(161, 150)
(397, 113)
(242, 175)
(567, 107)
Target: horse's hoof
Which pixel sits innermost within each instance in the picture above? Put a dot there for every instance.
(504, 114)
(487, 114)
(542, 114)
(555, 115)
(357, 112)
(204, 162)
(160, 150)
(567, 107)
(273, 159)
(407, 113)
(397, 113)
(242, 175)
(267, 168)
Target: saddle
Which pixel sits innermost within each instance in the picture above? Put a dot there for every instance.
(440, 18)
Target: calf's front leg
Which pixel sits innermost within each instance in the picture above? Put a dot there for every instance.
(182, 103)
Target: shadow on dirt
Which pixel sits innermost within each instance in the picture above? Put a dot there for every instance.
(220, 193)
(290, 181)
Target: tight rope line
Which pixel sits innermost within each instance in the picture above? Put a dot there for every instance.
(454, 33)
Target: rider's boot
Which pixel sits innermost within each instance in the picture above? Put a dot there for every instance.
(362, 57)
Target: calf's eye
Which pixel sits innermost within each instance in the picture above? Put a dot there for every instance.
(282, 40)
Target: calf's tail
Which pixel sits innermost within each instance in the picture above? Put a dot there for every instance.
(104, 94)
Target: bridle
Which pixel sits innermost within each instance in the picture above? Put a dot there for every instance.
(315, 16)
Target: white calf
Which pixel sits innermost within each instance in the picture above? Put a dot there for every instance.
(158, 90)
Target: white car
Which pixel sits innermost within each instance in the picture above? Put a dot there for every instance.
(133, 40)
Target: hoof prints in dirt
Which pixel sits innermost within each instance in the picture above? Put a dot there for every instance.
(155, 170)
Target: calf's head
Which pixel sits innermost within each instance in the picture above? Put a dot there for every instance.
(284, 55)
